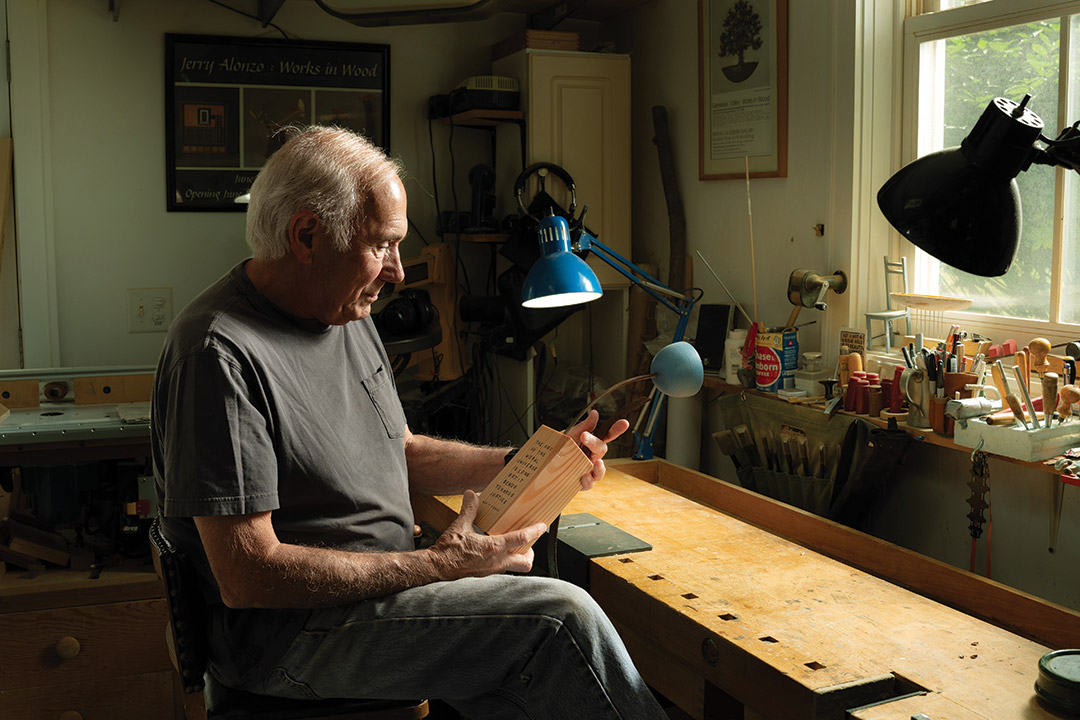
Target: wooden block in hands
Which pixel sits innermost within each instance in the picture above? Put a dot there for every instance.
(535, 486)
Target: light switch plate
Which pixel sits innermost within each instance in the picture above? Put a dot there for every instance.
(149, 309)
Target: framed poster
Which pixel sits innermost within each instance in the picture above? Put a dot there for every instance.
(742, 88)
(226, 98)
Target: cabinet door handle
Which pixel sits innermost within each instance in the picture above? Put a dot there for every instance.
(67, 647)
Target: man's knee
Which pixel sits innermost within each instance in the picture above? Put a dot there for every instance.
(572, 606)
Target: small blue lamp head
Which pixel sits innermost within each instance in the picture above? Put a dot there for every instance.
(559, 277)
(678, 368)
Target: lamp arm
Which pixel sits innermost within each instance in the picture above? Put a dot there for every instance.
(1062, 151)
(631, 271)
(680, 304)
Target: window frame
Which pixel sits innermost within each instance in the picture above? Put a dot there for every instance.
(925, 24)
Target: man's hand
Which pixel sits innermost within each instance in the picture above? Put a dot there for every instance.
(593, 446)
(462, 552)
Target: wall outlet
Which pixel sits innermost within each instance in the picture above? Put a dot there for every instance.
(149, 309)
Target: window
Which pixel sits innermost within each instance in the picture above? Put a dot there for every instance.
(957, 59)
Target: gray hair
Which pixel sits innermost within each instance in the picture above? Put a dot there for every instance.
(328, 170)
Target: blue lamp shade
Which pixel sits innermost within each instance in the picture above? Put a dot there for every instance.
(559, 277)
(678, 368)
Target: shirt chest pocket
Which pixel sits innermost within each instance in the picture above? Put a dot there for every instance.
(383, 395)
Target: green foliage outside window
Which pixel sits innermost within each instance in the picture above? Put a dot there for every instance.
(1009, 62)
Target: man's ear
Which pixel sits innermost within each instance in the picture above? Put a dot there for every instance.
(302, 229)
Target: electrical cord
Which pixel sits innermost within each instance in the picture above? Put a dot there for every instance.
(434, 175)
(253, 17)
(419, 234)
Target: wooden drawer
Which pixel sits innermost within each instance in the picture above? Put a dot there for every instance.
(136, 697)
(114, 639)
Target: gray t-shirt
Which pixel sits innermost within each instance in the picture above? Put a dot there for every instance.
(256, 410)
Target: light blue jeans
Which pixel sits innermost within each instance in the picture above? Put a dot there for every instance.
(495, 647)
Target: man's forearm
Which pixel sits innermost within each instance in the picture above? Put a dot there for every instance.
(294, 576)
(254, 570)
(449, 467)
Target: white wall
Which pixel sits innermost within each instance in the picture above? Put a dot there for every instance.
(662, 37)
(101, 220)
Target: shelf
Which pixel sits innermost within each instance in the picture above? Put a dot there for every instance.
(920, 434)
(484, 118)
(56, 586)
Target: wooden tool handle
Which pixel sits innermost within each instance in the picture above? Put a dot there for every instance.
(1021, 358)
(1022, 381)
(1069, 395)
(1018, 411)
(1049, 395)
(1007, 417)
(742, 436)
(1038, 349)
(729, 445)
(997, 372)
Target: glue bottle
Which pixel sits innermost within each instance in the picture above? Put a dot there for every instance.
(733, 355)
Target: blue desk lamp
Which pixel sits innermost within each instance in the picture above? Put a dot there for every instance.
(561, 278)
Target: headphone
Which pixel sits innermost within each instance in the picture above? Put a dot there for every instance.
(541, 169)
(409, 312)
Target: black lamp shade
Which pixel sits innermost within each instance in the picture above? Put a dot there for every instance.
(961, 205)
(955, 212)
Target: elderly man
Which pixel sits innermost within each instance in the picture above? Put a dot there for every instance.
(283, 466)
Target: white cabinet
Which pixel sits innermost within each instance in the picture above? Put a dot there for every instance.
(577, 116)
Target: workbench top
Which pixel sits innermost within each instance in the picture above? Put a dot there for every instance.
(787, 631)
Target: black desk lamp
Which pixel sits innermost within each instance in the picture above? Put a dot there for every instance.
(961, 205)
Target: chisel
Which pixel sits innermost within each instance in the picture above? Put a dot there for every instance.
(742, 434)
(997, 373)
(728, 445)
(771, 461)
(804, 454)
(786, 445)
(1027, 396)
(821, 458)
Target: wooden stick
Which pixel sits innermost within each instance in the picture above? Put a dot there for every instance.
(750, 219)
(717, 277)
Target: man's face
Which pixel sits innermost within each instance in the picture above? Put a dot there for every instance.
(349, 282)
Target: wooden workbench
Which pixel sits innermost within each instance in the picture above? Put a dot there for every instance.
(794, 617)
